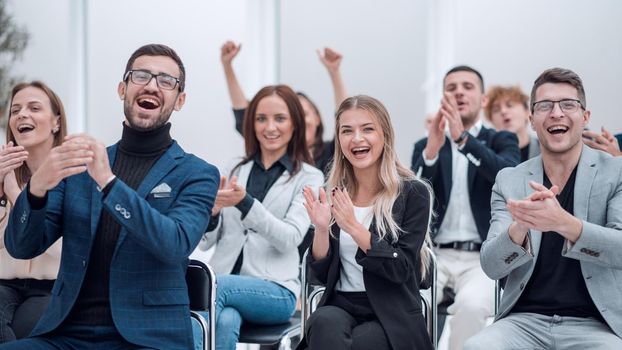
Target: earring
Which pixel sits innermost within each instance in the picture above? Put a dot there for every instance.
(55, 130)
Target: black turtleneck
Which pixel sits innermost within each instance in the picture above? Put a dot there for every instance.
(136, 154)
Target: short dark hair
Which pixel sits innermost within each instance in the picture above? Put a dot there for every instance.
(158, 50)
(559, 76)
(464, 68)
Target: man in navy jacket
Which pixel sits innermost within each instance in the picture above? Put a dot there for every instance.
(129, 217)
(461, 158)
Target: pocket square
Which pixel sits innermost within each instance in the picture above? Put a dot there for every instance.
(162, 190)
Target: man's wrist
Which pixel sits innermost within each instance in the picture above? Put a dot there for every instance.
(464, 135)
(102, 181)
(429, 155)
(35, 190)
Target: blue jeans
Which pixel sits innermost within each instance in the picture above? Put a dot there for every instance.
(252, 300)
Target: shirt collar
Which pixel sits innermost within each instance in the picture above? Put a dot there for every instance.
(285, 161)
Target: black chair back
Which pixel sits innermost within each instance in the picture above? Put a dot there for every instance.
(201, 283)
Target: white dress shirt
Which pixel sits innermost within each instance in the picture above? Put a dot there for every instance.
(458, 224)
(351, 273)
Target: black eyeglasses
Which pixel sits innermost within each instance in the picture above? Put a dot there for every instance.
(143, 77)
(566, 105)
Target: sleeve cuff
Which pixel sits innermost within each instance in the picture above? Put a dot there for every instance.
(109, 186)
(213, 222)
(245, 205)
(429, 162)
(36, 203)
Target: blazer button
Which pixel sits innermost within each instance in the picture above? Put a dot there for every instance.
(583, 250)
(394, 254)
(83, 263)
(522, 286)
(596, 254)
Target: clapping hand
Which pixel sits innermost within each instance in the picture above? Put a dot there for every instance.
(318, 209)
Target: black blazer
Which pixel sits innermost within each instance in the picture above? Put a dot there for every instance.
(490, 152)
(391, 271)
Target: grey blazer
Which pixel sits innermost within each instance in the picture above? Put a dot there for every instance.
(534, 147)
(597, 202)
(269, 233)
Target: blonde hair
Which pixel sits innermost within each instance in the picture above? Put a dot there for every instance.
(392, 174)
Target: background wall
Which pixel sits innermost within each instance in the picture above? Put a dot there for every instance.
(395, 50)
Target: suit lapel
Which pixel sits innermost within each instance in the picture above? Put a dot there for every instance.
(276, 189)
(472, 169)
(244, 172)
(167, 162)
(446, 167)
(535, 174)
(586, 172)
(163, 166)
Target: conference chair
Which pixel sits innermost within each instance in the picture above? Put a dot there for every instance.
(201, 282)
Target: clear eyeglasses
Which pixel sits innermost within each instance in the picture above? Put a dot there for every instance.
(143, 77)
(566, 105)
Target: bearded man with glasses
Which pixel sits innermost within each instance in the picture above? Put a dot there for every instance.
(556, 233)
(129, 218)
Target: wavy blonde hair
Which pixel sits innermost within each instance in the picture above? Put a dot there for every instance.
(392, 174)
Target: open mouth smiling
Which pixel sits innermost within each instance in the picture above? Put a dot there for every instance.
(148, 103)
(24, 128)
(359, 151)
(557, 129)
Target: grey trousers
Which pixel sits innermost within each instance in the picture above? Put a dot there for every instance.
(535, 331)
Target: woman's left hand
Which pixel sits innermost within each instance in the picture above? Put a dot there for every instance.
(231, 194)
(343, 210)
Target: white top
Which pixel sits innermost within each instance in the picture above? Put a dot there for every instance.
(351, 273)
(458, 224)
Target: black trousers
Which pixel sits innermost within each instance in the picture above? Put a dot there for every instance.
(348, 323)
(22, 302)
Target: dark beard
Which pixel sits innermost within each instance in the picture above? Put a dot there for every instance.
(162, 118)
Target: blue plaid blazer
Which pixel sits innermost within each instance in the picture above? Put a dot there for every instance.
(162, 222)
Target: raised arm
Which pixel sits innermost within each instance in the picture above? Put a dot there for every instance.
(331, 59)
(228, 52)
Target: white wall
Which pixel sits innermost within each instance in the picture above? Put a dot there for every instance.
(115, 28)
(47, 57)
(395, 50)
(383, 47)
(516, 40)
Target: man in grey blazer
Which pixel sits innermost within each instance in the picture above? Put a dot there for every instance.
(556, 234)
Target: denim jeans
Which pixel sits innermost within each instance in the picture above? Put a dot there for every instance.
(252, 300)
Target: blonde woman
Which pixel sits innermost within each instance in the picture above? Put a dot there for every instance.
(369, 233)
(36, 124)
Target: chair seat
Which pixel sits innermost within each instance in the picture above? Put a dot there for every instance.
(251, 333)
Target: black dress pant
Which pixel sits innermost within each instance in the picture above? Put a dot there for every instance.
(348, 323)
(22, 302)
